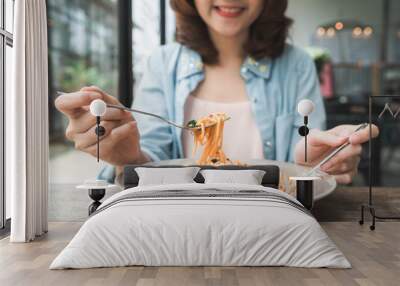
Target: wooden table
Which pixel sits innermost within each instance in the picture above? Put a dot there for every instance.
(344, 204)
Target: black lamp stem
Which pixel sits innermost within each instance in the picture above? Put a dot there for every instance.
(305, 148)
(98, 137)
(305, 138)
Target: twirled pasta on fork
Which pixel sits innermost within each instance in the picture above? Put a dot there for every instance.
(210, 135)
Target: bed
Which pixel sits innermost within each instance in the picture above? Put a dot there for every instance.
(198, 224)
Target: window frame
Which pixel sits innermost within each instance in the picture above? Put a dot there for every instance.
(6, 39)
(125, 56)
(163, 22)
(127, 78)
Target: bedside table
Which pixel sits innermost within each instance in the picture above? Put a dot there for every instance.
(305, 190)
(96, 191)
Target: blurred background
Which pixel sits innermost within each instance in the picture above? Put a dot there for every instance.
(355, 45)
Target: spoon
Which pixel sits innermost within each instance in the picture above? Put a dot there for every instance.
(121, 107)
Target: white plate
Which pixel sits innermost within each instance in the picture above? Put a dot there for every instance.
(322, 187)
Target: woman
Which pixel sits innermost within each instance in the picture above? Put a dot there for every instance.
(231, 56)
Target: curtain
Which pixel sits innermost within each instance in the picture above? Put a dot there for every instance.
(27, 122)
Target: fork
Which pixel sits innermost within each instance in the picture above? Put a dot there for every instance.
(153, 115)
(121, 107)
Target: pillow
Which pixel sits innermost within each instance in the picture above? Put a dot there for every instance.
(248, 177)
(166, 176)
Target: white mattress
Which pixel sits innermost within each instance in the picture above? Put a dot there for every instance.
(190, 231)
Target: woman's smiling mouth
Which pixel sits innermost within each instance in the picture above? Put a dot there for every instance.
(229, 11)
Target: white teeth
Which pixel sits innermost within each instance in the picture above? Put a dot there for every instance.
(230, 10)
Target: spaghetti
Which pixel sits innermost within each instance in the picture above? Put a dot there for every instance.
(210, 136)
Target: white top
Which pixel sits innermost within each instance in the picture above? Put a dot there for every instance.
(242, 139)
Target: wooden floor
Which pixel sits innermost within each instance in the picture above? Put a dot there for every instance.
(375, 257)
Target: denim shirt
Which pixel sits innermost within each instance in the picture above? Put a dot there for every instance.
(274, 87)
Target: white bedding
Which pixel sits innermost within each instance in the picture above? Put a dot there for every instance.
(188, 231)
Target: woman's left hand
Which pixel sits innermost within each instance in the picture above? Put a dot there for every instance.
(321, 143)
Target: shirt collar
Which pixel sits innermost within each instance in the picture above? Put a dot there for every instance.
(261, 68)
(190, 63)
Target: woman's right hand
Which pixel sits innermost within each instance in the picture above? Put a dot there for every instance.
(119, 145)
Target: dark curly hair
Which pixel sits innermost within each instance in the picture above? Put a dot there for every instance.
(267, 34)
